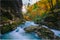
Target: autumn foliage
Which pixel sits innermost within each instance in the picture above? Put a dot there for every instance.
(39, 8)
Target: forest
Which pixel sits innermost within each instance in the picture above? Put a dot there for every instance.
(42, 13)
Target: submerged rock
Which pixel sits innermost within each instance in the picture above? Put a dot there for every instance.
(42, 32)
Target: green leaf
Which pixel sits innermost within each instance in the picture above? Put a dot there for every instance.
(35, 7)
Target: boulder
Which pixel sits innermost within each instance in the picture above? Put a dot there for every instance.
(53, 22)
(42, 32)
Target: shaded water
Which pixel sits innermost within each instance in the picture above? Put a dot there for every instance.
(19, 33)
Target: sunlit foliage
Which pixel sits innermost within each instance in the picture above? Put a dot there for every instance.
(39, 8)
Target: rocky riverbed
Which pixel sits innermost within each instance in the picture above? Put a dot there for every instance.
(44, 33)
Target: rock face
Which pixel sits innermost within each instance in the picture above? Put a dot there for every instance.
(53, 21)
(42, 32)
(11, 15)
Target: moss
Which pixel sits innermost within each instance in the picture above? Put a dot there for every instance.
(42, 32)
(6, 28)
(9, 27)
(30, 29)
(4, 18)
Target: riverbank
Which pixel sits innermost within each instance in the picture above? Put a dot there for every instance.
(9, 25)
(20, 34)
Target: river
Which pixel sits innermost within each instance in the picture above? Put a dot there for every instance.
(20, 34)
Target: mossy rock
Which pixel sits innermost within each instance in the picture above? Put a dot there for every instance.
(53, 22)
(30, 29)
(42, 32)
(7, 28)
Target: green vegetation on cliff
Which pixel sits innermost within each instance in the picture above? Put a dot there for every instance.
(11, 15)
